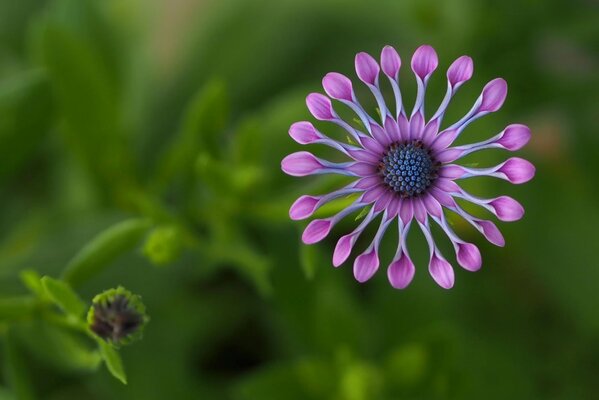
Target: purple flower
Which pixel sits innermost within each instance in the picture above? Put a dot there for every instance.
(404, 168)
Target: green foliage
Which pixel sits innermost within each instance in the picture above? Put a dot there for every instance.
(103, 249)
(151, 132)
(113, 361)
(63, 296)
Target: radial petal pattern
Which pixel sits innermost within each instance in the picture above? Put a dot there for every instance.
(404, 167)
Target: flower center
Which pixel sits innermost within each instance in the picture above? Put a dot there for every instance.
(408, 168)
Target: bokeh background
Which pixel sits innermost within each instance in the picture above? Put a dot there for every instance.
(177, 111)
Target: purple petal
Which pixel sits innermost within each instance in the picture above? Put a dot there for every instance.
(515, 137)
(491, 232)
(406, 211)
(366, 265)
(364, 155)
(419, 209)
(338, 86)
(444, 139)
(424, 61)
(390, 62)
(507, 209)
(316, 231)
(494, 94)
(368, 182)
(374, 194)
(460, 71)
(343, 249)
(441, 271)
(303, 132)
(469, 256)
(404, 127)
(320, 106)
(416, 126)
(363, 169)
(518, 170)
(303, 207)
(448, 155)
(383, 201)
(432, 205)
(451, 171)
(380, 135)
(392, 130)
(367, 68)
(372, 145)
(301, 163)
(401, 272)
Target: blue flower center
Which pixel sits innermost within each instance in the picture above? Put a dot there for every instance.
(408, 168)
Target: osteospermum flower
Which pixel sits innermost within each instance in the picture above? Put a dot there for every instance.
(405, 166)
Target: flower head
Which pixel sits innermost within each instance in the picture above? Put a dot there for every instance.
(117, 316)
(404, 167)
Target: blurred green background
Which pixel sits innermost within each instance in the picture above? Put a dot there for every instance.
(177, 111)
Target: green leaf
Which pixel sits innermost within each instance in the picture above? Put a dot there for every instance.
(105, 248)
(17, 375)
(26, 110)
(33, 281)
(16, 307)
(63, 296)
(60, 348)
(201, 129)
(310, 256)
(363, 213)
(89, 102)
(113, 361)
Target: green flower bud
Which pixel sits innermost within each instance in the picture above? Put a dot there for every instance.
(163, 245)
(117, 316)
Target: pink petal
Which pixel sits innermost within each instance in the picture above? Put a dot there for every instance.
(424, 61)
(448, 155)
(469, 256)
(343, 249)
(366, 265)
(441, 271)
(494, 94)
(444, 139)
(416, 126)
(338, 86)
(419, 209)
(447, 185)
(380, 135)
(491, 232)
(392, 130)
(316, 231)
(374, 194)
(404, 127)
(301, 163)
(518, 170)
(390, 62)
(432, 206)
(372, 145)
(383, 201)
(393, 207)
(363, 169)
(460, 71)
(401, 272)
(406, 211)
(507, 209)
(320, 106)
(364, 155)
(368, 182)
(303, 207)
(515, 137)
(451, 171)
(303, 132)
(367, 68)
